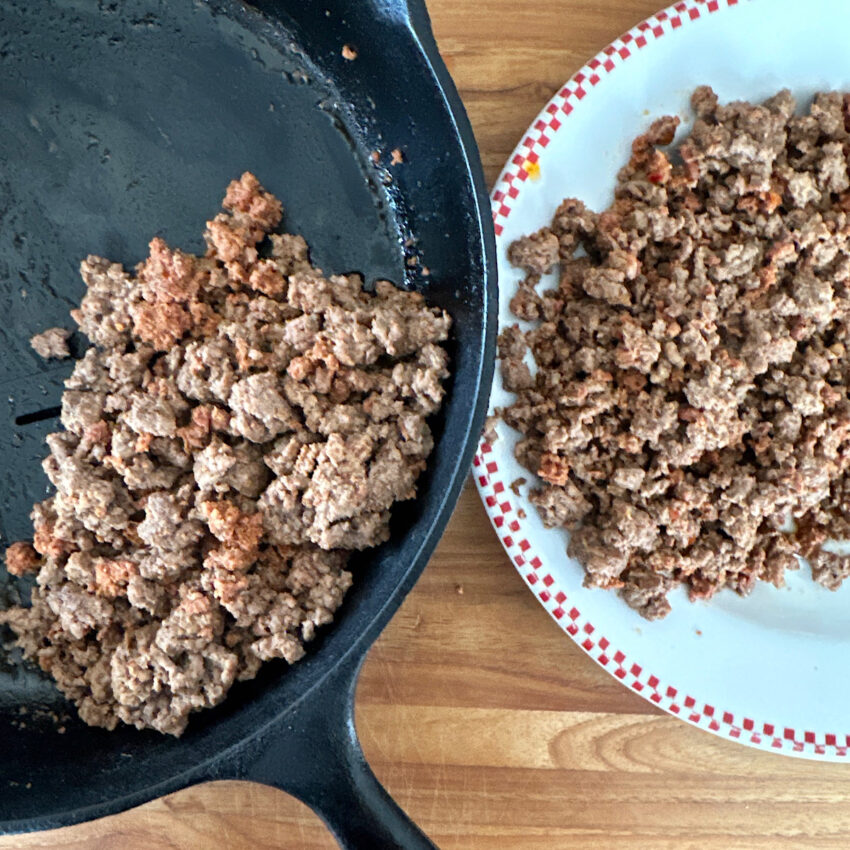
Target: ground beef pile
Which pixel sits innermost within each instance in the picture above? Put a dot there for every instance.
(240, 425)
(692, 377)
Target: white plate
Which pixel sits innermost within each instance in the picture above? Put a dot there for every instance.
(770, 670)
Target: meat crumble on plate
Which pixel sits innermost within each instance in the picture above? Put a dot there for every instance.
(240, 425)
(687, 389)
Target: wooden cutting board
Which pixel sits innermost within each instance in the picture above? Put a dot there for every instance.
(483, 720)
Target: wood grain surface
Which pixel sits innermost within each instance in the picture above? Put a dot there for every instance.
(483, 720)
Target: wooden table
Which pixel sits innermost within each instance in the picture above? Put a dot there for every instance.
(483, 720)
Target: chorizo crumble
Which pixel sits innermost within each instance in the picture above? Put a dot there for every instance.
(692, 364)
(240, 425)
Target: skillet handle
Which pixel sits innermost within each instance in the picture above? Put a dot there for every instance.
(319, 760)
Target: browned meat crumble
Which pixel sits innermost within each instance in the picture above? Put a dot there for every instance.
(52, 344)
(241, 424)
(691, 389)
(21, 558)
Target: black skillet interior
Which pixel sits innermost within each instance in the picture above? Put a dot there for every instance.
(121, 119)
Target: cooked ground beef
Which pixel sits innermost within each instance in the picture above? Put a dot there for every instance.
(52, 344)
(21, 559)
(691, 389)
(240, 425)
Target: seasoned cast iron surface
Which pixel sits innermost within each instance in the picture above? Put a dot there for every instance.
(122, 120)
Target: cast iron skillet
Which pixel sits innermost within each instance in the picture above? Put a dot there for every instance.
(124, 118)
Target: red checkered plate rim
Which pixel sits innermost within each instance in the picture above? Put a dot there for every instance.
(503, 509)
